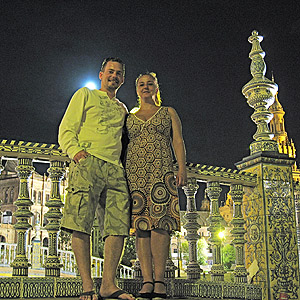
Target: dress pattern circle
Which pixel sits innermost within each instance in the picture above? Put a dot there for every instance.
(150, 175)
(159, 193)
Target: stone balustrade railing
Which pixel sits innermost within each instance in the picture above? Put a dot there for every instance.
(26, 153)
(67, 260)
(214, 177)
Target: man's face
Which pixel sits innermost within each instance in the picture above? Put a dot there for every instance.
(112, 76)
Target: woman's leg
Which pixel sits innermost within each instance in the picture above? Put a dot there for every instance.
(160, 243)
(143, 249)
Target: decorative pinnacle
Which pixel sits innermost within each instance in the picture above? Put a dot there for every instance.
(255, 40)
(258, 66)
(260, 93)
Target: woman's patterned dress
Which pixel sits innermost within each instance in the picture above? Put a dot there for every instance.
(149, 168)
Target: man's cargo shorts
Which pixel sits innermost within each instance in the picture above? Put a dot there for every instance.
(97, 186)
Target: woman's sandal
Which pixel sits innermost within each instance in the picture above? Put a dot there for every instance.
(158, 296)
(88, 295)
(147, 295)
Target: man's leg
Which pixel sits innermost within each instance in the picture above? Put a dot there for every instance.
(116, 226)
(81, 249)
(113, 249)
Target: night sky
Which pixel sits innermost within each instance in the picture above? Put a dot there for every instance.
(199, 50)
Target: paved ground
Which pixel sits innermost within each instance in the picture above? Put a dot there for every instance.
(78, 298)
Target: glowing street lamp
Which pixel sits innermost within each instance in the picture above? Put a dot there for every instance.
(221, 235)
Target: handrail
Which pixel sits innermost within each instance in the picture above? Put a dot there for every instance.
(42, 152)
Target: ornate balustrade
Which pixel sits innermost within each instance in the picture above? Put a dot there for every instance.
(55, 261)
(26, 153)
(214, 177)
(66, 258)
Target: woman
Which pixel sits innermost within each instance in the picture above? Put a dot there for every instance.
(152, 130)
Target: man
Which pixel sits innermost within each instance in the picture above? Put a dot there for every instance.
(90, 133)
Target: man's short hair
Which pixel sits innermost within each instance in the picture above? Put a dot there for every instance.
(114, 59)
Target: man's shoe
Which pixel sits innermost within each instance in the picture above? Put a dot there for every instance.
(90, 295)
(115, 295)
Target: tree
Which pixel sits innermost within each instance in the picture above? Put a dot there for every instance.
(129, 251)
(185, 251)
(228, 254)
(202, 251)
(64, 240)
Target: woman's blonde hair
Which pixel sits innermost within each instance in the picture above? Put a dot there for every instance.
(158, 99)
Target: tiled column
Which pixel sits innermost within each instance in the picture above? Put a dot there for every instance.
(271, 250)
(193, 269)
(20, 264)
(213, 191)
(297, 210)
(238, 232)
(52, 264)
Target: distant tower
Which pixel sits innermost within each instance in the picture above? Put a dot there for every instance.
(277, 127)
(226, 211)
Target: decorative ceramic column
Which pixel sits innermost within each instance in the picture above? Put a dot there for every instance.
(271, 252)
(20, 264)
(137, 274)
(213, 191)
(260, 93)
(297, 209)
(193, 269)
(170, 268)
(238, 232)
(56, 172)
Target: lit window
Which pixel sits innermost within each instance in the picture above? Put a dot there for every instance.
(7, 217)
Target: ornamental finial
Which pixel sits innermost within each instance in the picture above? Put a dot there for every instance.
(260, 93)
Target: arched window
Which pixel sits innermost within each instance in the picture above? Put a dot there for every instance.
(34, 196)
(2, 239)
(7, 217)
(45, 242)
(37, 218)
(12, 194)
(6, 199)
(39, 197)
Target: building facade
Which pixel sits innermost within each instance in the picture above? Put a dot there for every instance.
(39, 192)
